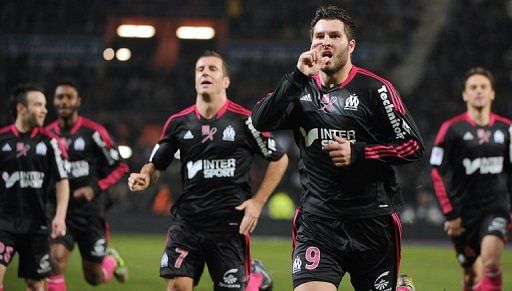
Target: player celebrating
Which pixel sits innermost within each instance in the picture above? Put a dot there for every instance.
(212, 219)
(471, 162)
(30, 161)
(94, 167)
(350, 126)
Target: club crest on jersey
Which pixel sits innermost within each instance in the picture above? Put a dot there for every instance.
(79, 144)
(351, 102)
(208, 133)
(188, 135)
(6, 148)
(22, 149)
(228, 134)
(499, 137)
(41, 149)
(327, 102)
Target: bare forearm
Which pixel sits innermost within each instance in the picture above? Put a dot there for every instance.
(273, 175)
(62, 196)
(154, 174)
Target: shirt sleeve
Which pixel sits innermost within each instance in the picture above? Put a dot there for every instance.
(275, 111)
(399, 138)
(113, 168)
(264, 143)
(163, 152)
(57, 160)
(441, 167)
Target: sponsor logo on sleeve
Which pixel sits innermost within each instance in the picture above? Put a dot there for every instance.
(436, 158)
(393, 118)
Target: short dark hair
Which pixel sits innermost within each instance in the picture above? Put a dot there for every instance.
(19, 96)
(479, 71)
(334, 12)
(69, 83)
(212, 53)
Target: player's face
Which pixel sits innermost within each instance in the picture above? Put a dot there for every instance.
(210, 78)
(478, 92)
(34, 113)
(330, 38)
(66, 101)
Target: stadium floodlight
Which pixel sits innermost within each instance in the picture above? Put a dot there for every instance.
(137, 31)
(123, 54)
(195, 32)
(109, 54)
(125, 151)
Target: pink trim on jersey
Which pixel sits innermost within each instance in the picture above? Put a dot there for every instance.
(54, 126)
(236, 108)
(344, 83)
(497, 118)
(295, 228)
(13, 129)
(223, 109)
(389, 151)
(78, 124)
(8, 128)
(398, 244)
(441, 193)
(447, 124)
(113, 177)
(248, 258)
(184, 112)
(395, 97)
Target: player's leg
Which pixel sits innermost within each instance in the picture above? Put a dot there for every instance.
(495, 232)
(315, 265)
(374, 259)
(34, 260)
(228, 260)
(259, 278)
(182, 262)
(59, 258)
(7, 252)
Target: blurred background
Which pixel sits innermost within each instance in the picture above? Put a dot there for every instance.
(134, 62)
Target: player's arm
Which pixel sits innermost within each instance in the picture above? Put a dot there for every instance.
(266, 146)
(62, 197)
(160, 158)
(441, 166)
(147, 176)
(252, 207)
(57, 160)
(111, 167)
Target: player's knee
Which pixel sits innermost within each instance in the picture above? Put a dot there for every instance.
(35, 285)
(176, 285)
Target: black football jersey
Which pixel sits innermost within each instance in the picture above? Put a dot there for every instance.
(367, 111)
(471, 165)
(216, 156)
(29, 164)
(93, 161)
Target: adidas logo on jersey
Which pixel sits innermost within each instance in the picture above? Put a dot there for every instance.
(188, 135)
(468, 136)
(306, 97)
(6, 148)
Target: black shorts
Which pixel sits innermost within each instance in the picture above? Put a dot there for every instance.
(34, 252)
(368, 249)
(226, 255)
(467, 245)
(90, 233)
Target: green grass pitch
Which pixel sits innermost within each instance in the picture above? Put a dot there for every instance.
(433, 268)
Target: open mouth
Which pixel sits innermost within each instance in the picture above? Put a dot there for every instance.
(327, 54)
(205, 82)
